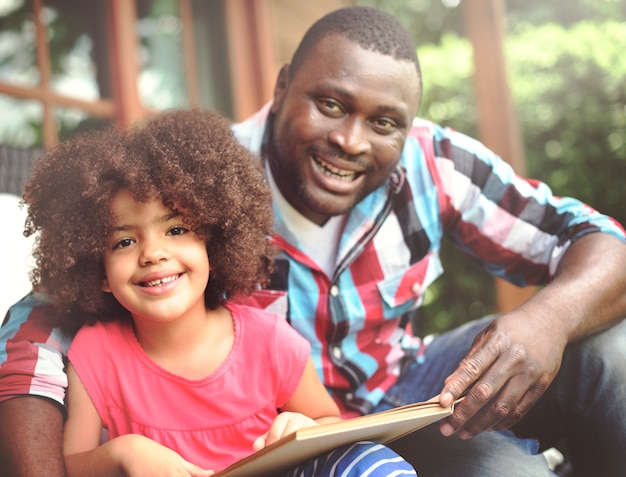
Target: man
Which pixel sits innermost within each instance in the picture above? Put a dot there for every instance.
(363, 196)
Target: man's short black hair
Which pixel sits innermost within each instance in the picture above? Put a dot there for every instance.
(370, 28)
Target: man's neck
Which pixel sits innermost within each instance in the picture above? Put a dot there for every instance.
(319, 242)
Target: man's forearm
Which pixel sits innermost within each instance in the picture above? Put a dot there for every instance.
(588, 292)
(31, 437)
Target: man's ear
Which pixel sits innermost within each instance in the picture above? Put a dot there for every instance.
(281, 86)
(105, 286)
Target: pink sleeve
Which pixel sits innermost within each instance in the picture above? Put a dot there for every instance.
(88, 356)
(292, 352)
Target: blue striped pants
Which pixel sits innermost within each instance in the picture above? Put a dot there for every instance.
(361, 459)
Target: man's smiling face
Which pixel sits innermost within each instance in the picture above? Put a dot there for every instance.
(340, 125)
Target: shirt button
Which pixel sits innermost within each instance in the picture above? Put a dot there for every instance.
(337, 353)
(334, 290)
(416, 288)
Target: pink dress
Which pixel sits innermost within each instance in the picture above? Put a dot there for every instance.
(211, 422)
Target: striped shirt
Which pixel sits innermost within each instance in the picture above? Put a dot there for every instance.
(446, 185)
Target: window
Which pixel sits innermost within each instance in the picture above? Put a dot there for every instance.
(68, 66)
(51, 84)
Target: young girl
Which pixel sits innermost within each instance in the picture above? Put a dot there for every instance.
(149, 236)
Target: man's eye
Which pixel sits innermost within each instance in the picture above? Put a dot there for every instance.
(123, 243)
(328, 106)
(177, 231)
(384, 125)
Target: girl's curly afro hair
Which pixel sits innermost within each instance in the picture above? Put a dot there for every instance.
(187, 158)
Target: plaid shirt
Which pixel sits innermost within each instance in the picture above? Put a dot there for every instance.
(446, 185)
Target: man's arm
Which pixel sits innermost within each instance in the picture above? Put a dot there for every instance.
(32, 392)
(515, 359)
(32, 437)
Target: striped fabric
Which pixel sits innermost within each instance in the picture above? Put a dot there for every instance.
(362, 459)
(31, 354)
(446, 185)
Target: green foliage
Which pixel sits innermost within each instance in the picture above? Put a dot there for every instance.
(570, 92)
(448, 96)
(569, 89)
(426, 20)
(465, 291)
(563, 12)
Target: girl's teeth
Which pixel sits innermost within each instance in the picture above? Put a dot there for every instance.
(162, 281)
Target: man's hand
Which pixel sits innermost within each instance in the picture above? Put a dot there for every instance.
(510, 365)
(514, 360)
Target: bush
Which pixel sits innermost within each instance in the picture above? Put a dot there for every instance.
(569, 90)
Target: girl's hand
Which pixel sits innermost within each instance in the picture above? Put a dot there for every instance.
(142, 457)
(284, 424)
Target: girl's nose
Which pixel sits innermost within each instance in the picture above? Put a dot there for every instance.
(153, 251)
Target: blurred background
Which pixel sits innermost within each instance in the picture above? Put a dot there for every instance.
(541, 83)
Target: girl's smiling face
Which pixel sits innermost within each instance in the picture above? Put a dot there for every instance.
(156, 267)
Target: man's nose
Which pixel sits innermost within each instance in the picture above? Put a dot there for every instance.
(351, 136)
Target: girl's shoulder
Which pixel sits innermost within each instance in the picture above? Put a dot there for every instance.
(110, 332)
(254, 318)
(262, 323)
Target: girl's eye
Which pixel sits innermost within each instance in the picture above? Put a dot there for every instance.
(177, 231)
(123, 243)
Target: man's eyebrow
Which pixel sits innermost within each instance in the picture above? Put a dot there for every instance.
(380, 109)
(341, 91)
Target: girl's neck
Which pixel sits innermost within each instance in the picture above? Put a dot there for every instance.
(192, 346)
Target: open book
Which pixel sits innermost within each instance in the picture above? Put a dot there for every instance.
(309, 442)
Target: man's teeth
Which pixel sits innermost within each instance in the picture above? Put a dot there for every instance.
(161, 281)
(334, 172)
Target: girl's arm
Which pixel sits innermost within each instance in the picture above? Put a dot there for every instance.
(82, 431)
(312, 399)
(130, 455)
(310, 405)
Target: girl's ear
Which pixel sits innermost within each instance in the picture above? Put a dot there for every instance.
(105, 286)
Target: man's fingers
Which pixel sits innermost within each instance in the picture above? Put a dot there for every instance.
(474, 365)
(478, 413)
(502, 387)
(507, 370)
(529, 399)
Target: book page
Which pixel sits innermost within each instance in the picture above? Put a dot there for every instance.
(309, 442)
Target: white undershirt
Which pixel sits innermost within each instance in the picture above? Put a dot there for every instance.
(318, 242)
